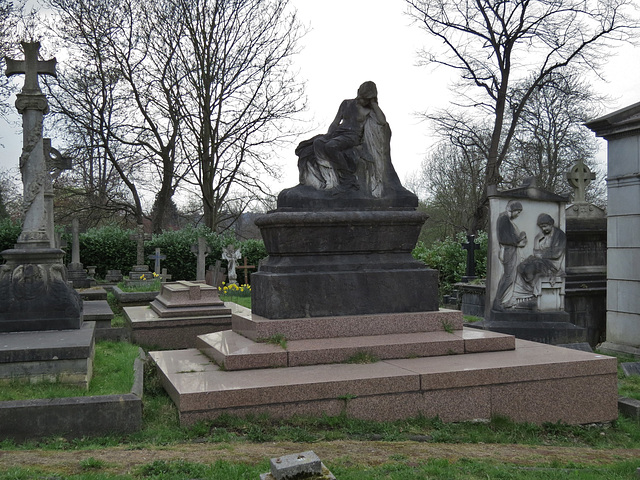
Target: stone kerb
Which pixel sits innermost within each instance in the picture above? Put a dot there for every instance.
(75, 417)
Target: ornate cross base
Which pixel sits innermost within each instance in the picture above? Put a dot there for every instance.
(35, 294)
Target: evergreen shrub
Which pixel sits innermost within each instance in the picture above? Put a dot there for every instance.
(9, 233)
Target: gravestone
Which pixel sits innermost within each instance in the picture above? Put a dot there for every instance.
(156, 257)
(471, 246)
(76, 271)
(297, 466)
(216, 275)
(621, 129)
(525, 288)
(246, 267)
(36, 301)
(140, 274)
(201, 250)
(586, 259)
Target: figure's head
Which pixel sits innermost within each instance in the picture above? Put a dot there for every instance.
(545, 222)
(514, 208)
(368, 91)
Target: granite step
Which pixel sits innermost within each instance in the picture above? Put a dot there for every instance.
(533, 383)
(236, 352)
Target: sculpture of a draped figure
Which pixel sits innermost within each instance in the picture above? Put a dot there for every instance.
(352, 160)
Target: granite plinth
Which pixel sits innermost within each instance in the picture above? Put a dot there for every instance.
(533, 383)
(147, 328)
(352, 262)
(257, 327)
(236, 352)
(61, 355)
(98, 311)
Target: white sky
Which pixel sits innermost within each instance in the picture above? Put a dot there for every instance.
(351, 41)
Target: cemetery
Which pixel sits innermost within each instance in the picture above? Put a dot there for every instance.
(337, 342)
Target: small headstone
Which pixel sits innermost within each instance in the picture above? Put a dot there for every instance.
(630, 368)
(164, 276)
(215, 274)
(113, 276)
(297, 466)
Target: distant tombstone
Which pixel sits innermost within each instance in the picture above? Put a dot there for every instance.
(156, 257)
(76, 271)
(471, 246)
(216, 275)
(579, 177)
(139, 237)
(201, 250)
(231, 255)
(246, 269)
(630, 368)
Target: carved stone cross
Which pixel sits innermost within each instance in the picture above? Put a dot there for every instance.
(157, 257)
(201, 250)
(139, 237)
(246, 268)
(31, 67)
(579, 177)
(471, 246)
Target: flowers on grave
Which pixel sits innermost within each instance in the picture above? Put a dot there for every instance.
(234, 290)
(142, 277)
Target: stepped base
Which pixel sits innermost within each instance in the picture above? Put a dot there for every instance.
(236, 352)
(533, 383)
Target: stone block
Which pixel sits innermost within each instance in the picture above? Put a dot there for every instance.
(297, 465)
(629, 407)
(624, 156)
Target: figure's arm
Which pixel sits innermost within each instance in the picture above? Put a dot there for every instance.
(338, 119)
(380, 118)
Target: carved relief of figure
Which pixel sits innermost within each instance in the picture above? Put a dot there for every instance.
(355, 152)
(231, 255)
(510, 240)
(545, 263)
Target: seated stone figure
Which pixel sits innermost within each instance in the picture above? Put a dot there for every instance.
(352, 160)
(545, 264)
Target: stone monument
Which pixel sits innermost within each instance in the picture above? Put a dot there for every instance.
(34, 293)
(526, 266)
(353, 319)
(231, 254)
(586, 259)
(140, 274)
(77, 274)
(621, 129)
(201, 250)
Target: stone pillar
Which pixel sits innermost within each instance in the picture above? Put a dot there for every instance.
(621, 129)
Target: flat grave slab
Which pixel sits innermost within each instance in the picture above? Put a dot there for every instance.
(97, 311)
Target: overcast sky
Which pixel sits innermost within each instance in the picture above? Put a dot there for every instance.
(351, 41)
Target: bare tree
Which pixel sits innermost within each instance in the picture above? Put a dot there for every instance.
(495, 45)
(551, 136)
(240, 96)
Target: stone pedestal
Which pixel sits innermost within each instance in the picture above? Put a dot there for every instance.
(621, 129)
(35, 294)
(342, 263)
(182, 311)
(140, 275)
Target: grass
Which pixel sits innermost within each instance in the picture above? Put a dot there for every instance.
(151, 286)
(276, 339)
(112, 374)
(161, 431)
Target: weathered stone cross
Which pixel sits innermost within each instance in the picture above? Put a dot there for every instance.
(201, 250)
(32, 105)
(157, 257)
(246, 268)
(579, 177)
(139, 237)
(471, 246)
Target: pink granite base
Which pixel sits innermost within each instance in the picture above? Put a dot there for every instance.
(256, 327)
(535, 382)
